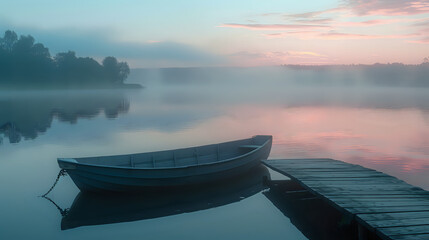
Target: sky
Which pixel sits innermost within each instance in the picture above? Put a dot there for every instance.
(194, 33)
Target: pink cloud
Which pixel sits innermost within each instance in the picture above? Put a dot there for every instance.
(371, 22)
(305, 53)
(339, 36)
(299, 34)
(422, 23)
(272, 26)
(336, 35)
(387, 7)
(315, 13)
(315, 21)
(421, 41)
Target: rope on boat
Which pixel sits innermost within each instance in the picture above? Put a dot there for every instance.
(62, 172)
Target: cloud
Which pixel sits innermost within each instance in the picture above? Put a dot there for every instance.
(315, 13)
(299, 34)
(305, 53)
(272, 26)
(424, 40)
(371, 22)
(313, 25)
(339, 35)
(100, 43)
(423, 29)
(315, 21)
(336, 35)
(422, 23)
(387, 7)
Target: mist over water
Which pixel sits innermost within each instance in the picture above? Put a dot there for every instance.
(345, 115)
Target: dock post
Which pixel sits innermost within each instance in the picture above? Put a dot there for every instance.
(362, 232)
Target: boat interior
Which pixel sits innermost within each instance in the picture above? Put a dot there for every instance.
(181, 157)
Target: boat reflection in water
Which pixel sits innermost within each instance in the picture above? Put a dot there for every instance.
(96, 209)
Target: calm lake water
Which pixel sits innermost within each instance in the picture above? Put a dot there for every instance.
(384, 128)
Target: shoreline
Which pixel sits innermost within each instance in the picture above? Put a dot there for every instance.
(129, 86)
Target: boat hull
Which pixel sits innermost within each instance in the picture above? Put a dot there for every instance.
(104, 178)
(116, 208)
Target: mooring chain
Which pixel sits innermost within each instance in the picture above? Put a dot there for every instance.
(63, 212)
(62, 172)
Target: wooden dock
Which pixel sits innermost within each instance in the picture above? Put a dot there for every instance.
(382, 204)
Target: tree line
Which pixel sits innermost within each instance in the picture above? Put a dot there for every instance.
(391, 74)
(26, 63)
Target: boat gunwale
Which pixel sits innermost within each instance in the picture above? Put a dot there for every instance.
(168, 168)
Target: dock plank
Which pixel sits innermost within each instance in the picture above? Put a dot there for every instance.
(392, 216)
(387, 209)
(398, 222)
(390, 207)
(411, 237)
(405, 230)
(381, 204)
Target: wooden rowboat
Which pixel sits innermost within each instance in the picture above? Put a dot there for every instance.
(97, 209)
(186, 166)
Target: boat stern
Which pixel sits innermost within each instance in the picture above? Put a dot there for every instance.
(262, 139)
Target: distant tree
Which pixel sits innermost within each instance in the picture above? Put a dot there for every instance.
(426, 60)
(9, 40)
(23, 45)
(116, 71)
(124, 71)
(65, 57)
(39, 50)
(23, 62)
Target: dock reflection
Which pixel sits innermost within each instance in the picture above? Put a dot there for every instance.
(315, 218)
(97, 209)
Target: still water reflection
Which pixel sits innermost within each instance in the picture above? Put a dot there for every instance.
(385, 128)
(95, 209)
(26, 114)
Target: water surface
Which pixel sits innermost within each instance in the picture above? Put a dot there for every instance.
(385, 128)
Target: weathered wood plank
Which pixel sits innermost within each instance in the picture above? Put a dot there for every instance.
(328, 192)
(349, 179)
(387, 209)
(325, 163)
(392, 207)
(398, 222)
(391, 216)
(405, 230)
(388, 183)
(411, 237)
(424, 201)
(304, 159)
(380, 204)
(298, 165)
(380, 197)
(399, 195)
(378, 188)
(343, 175)
(324, 170)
